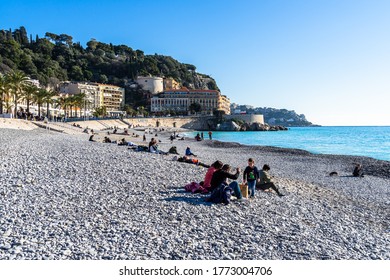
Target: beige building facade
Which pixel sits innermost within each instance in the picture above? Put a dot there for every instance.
(181, 100)
(96, 95)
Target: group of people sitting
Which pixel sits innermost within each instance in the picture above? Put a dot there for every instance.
(215, 181)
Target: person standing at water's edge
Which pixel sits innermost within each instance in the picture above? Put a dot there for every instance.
(210, 135)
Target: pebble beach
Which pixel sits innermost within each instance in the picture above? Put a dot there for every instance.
(63, 197)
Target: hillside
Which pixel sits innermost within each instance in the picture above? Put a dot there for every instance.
(55, 58)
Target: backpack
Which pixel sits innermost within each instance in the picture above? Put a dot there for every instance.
(222, 194)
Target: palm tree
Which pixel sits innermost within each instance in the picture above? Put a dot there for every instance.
(79, 101)
(29, 92)
(63, 103)
(5, 93)
(18, 80)
(71, 102)
(39, 98)
(48, 98)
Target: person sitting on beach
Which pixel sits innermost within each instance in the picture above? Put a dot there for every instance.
(251, 176)
(91, 138)
(358, 170)
(122, 142)
(219, 184)
(114, 131)
(266, 180)
(198, 138)
(209, 174)
(153, 147)
(107, 140)
(173, 150)
(189, 153)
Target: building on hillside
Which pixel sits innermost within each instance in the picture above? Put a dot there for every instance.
(111, 97)
(181, 100)
(153, 84)
(224, 104)
(96, 95)
(34, 82)
(170, 84)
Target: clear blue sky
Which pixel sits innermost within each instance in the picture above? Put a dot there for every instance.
(327, 59)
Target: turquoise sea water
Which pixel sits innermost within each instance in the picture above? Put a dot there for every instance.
(371, 141)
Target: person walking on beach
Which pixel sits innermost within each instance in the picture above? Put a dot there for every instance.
(219, 182)
(251, 176)
(266, 180)
(210, 135)
(202, 135)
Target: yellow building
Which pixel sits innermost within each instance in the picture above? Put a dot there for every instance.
(112, 97)
(224, 104)
(97, 95)
(170, 84)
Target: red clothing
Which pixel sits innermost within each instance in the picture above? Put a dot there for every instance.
(207, 178)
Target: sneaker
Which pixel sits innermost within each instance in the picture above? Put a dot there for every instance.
(242, 199)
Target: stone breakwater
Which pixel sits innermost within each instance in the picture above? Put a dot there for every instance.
(62, 197)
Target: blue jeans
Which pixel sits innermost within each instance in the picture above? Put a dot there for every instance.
(251, 188)
(236, 189)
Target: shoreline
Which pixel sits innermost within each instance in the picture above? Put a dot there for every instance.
(321, 145)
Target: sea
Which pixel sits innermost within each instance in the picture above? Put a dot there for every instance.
(370, 141)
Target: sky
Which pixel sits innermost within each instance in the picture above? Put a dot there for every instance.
(326, 59)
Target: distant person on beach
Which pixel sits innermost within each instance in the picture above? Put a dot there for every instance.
(251, 176)
(198, 138)
(209, 174)
(189, 153)
(122, 142)
(173, 150)
(153, 147)
(144, 138)
(266, 180)
(106, 140)
(221, 189)
(91, 138)
(358, 170)
(202, 135)
(192, 161)
(210, 135)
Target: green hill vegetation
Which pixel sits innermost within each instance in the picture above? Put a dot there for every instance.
(55, 57)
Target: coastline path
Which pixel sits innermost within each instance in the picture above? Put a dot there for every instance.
(62, 197)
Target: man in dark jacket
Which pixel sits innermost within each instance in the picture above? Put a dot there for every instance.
(220, 177)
